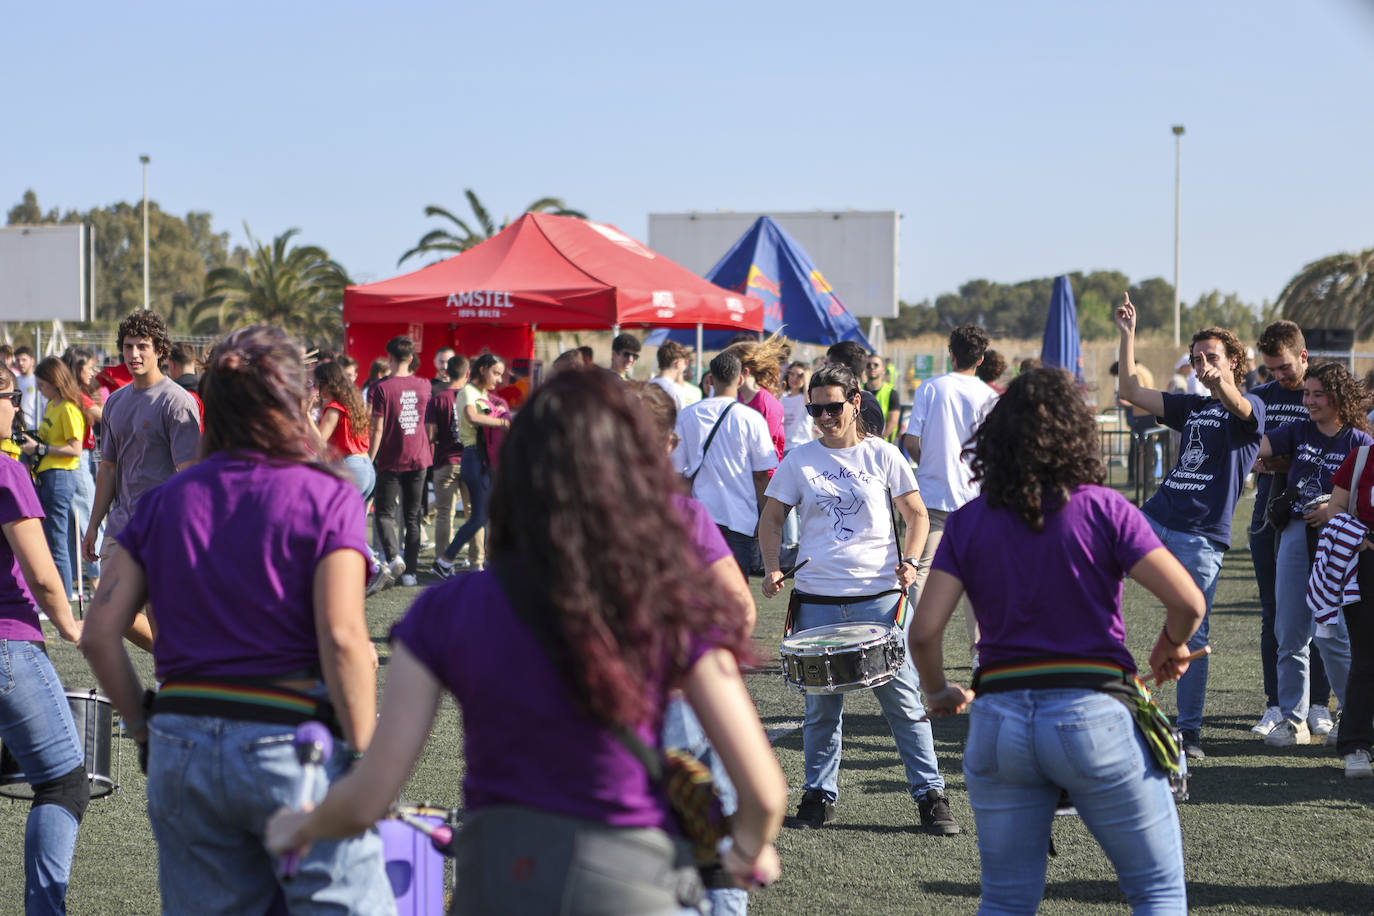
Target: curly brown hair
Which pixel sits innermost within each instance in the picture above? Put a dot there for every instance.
(580, 503)
(333, 385)
(1037, 444)
(1345, 392)
(149, 324)
(1235, 350)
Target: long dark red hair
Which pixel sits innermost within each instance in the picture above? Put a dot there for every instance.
(581, 501)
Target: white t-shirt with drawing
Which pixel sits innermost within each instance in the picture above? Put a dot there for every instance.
(842, 498)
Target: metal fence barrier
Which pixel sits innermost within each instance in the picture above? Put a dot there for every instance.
(1137, 460)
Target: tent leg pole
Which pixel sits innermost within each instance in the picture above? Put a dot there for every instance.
(700, 339)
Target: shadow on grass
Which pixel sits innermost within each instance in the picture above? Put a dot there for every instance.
(1334, 896)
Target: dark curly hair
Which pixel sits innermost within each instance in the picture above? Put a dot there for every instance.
(992, 367)
(1037, 444)
(149, 324)
(967, 343)
(1346, 393)
(1235, 351)
(624, 600)
(333, 385)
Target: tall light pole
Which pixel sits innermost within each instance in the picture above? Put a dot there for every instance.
(1178, 202)
(144, 161)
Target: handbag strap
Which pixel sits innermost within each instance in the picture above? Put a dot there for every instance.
(709, 439)
(1361, 456)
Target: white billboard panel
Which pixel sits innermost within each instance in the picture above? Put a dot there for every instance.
(855, 250)
(42, 273)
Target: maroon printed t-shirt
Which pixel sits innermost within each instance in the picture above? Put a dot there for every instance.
(447, 448)
(400, 401)
(18, 500)
(1062, 595)
(231, 584)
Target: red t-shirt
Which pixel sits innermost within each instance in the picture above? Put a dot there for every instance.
(1364, 493)
(87, 402)
(400, 402)
(345, 440)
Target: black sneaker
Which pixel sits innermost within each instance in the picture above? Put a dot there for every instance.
(443, 572)
(814, 810)
(935, 814)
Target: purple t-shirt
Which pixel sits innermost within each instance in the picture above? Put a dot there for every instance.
(18, 500)
(1062, 595)
(525, 741)
(229, 547)
(440, 412)
(400, 401)
(703, 533)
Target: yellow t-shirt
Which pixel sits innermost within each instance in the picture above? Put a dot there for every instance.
(61, 421)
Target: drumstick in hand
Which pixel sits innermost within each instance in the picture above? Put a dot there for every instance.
(1192, 657)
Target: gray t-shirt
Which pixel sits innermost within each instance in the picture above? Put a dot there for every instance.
(147, 433)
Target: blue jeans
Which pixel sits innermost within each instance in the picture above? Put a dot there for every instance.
(478, 481)
(364, 474)
(1202, 557)
(212, 783)
(37, 728)
(56, 492)
(1026, 745)
(82, 504)
(682, 729)
(1263, 552)
(900, 699)
(744, 548)
(1295, 628)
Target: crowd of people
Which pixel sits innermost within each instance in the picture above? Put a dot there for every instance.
(226, 506)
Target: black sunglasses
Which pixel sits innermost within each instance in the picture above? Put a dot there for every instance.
(15, 397)
(833, 409)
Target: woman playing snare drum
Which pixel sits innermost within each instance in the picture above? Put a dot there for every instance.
(1041, 554)
(845, 486)
(35, 721)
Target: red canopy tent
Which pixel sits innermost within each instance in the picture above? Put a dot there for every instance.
(554, 273)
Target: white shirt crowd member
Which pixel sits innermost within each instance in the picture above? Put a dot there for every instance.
(725, 483)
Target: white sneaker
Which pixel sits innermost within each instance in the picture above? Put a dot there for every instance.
(409, 581)
(1272, 716)
(1287, 734)
(397, 567)
(1357, 765)
(1319, 721)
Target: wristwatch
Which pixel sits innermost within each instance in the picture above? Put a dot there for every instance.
(42, 450)
(914, 561)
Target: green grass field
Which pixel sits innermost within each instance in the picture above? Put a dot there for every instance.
(1266, 831)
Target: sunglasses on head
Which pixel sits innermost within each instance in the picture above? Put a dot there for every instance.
(833, 409)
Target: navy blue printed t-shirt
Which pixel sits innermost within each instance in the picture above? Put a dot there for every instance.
(1216, 451)
(1315, 457)
(1281, 406)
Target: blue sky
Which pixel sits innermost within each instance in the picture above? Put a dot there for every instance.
(1017, 139)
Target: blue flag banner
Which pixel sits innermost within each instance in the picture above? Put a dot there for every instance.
(1061, 348)
(768, 263)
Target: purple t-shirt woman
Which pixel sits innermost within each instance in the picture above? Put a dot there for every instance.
(18, 500)
(1062, 596)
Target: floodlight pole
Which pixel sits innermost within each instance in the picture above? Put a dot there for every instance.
(144, 160)
(1178, 202)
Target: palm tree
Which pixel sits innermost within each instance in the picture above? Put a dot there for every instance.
(295, 287)
(1335, 292)
(465, 237)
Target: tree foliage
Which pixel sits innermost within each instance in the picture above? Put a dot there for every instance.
(1333, 292)
(460, 236)
(294, 287)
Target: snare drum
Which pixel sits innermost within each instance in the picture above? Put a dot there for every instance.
(94, 718)
(840, 657)
(413, 866)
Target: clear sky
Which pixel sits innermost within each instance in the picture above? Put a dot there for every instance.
(1016, 139)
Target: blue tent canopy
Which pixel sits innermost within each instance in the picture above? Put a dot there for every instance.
(1060, 347)
(768, 263)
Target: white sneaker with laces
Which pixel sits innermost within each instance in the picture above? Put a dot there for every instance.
(1357, 765)
(409, 581)
(397, 567)
(1319, 721)
(1272, 716)
(1287, 734)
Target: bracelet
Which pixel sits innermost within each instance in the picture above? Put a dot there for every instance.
(1164, 631)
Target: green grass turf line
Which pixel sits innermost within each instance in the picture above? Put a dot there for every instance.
(1267, 831)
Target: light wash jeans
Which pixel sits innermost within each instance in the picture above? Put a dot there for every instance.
(212, 783)
(364, 474)
(1295, 628)
(37, 728)
(57, 492)
(682, 729)
(1202, 557)
(1026, 745)
(900, 699)
(82, 504)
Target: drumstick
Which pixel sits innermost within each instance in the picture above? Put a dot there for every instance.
(314, 747)
(440, 835)
(787, 574)
(1192, 657)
